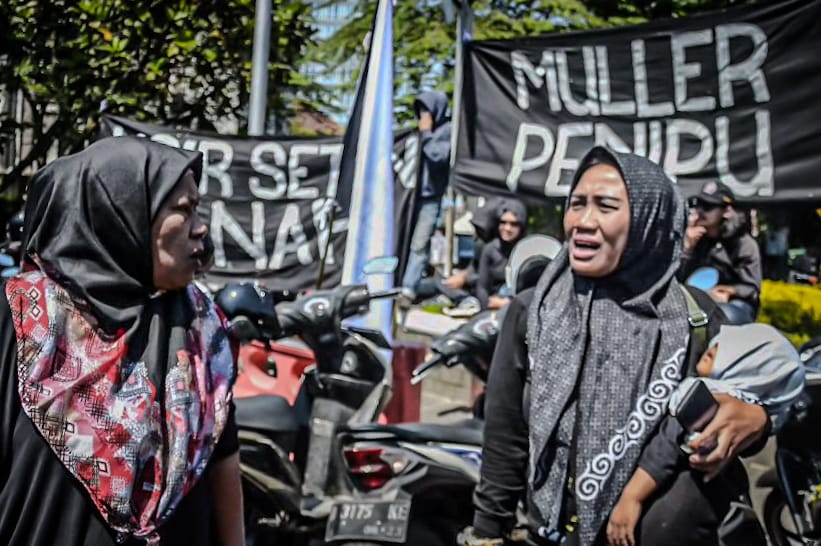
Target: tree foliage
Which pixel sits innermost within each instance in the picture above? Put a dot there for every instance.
(424, 43)
(420, 49)
(177, 62)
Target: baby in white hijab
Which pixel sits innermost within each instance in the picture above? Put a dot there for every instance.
(754, 363)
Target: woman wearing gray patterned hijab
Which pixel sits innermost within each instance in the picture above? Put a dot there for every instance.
(607, 341)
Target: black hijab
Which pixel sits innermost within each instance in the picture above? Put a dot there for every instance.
(142, 379)
(486, 219)
(510, 204)
(518, 209)
(88, 221)
(606, 354)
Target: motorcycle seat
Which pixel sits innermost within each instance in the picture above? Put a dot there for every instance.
(269, 414)
(465, 432)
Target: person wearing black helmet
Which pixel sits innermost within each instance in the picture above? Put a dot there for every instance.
(715, 238)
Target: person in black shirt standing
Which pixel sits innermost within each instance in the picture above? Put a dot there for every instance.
(116, 415)
(585, 361)
(434, 136)
(715, 238)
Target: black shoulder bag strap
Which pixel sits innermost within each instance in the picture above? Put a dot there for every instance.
(698, 320)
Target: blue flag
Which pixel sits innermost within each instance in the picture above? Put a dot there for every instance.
(366, 168)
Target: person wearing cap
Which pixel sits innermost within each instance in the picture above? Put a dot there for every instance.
(715, 238)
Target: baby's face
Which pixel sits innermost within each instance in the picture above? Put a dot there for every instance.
(705, 366)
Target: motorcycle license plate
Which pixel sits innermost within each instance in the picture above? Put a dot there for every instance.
(382, 521)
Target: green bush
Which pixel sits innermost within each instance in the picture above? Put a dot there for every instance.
(792, 308)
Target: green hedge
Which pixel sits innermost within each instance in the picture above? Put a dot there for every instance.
(792, 308)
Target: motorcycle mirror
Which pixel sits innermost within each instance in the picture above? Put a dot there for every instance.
(246, 300)
(703, 278)
(526, 249)
(6, 260)
(381, 265)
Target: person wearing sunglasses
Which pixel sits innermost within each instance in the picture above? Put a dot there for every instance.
(512, 215)
(716, 238)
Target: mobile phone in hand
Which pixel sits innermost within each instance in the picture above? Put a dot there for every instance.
(697, 408)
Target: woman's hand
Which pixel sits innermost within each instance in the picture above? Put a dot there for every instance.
(497, 302)
(621, 529)
(722, 293)
(623, 520)
(456, 281)
(425, 121)
(226, 495)
(693, 234)
(735, 426)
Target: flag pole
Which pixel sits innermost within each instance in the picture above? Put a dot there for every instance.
(366, 169)
(450, 201)
(259, 69)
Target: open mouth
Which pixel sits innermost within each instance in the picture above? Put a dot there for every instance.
(584, 248)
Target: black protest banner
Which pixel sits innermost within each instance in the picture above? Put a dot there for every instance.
(728, 96)
(406, 159)
(267, 201)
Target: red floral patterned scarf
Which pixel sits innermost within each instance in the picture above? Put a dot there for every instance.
(136, 448)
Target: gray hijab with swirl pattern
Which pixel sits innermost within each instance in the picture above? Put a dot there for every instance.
(606, 354)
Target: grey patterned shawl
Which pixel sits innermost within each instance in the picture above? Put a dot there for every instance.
(618, 343)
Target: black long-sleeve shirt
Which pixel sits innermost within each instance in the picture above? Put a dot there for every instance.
(505, 451)
(503, 481)
(492, 265)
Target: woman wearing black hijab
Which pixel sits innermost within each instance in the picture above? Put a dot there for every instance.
(583, 369)
(511, 220)
(115, 370)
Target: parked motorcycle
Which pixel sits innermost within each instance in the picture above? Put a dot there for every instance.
(412, 483)
(272, 367)
(802, 268)
(285, 491)
(706, 278)
(792, 510)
